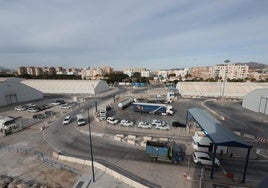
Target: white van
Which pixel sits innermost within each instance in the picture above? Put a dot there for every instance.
(80, 120)
(7, 123)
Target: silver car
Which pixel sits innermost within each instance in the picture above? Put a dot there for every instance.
(144, 125)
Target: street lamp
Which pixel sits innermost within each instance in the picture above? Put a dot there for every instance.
(225, 76)
(91, 150)
(96, 104)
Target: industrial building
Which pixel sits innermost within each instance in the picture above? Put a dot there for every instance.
(13, 91)
(257, 101)
(218, 89)
(90, 87)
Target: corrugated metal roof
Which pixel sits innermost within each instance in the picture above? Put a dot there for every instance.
(215, 130)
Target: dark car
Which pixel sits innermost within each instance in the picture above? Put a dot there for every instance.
(178, 124)
(50, 113)
(39, 116)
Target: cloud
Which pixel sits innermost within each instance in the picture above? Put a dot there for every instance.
(124, 33)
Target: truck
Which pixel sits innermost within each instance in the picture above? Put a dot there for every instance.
(152, 108)
(123, 104)
(165, 151)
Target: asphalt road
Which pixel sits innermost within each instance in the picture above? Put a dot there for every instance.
(132, 160)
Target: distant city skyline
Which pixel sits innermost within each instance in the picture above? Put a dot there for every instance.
(152, 34)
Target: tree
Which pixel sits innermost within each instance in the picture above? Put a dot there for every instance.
(171, 75)
(112, 78)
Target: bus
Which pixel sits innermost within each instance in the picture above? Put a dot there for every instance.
(7, 123)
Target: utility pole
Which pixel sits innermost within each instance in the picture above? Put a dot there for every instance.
(225, 77)
(91, 150)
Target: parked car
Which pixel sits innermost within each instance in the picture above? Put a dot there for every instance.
(50, 113)
(204, 158)
(30, 105)
(178, 124)
(67, 120)
(112, 120)
(163, 127)
(144, 125)
(39, 116)
(126, 123)
(66, 106)
(58, 102)
(157, 122)
(20, 108)
(33, 109)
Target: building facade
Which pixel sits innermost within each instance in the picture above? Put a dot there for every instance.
(231, 71)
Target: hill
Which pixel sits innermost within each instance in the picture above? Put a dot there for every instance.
(4, 69)
(254, 65)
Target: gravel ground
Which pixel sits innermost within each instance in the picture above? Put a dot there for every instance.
(31, 169)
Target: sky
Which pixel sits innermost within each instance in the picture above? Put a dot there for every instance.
(154, 34)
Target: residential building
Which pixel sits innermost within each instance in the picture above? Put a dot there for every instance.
(38, 71)
(199, 72)
(30, 70)
(146, 74)
(22, 70)
(231, 71)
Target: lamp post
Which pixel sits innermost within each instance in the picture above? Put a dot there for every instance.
(96, 104)
(91, 150)
(225, 77)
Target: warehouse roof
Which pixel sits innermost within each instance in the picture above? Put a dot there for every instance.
(215, 130)
(68, 86)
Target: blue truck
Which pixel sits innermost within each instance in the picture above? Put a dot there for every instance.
(165, 151)
(152, 108)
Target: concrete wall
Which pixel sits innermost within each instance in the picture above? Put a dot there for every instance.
(103, 168)
(13, 92)
(257, 101)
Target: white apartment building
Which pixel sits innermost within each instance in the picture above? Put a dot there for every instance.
(231, 71)
(128, 72)
(146, 74)
(181, 72)
(163, 74)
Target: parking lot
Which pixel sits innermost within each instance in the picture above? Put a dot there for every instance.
(179, 107)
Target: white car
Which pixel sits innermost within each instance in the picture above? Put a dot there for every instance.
(33, 109)
(126, 123)
(20, 108)
(145, 125)
(204, 158)
(112, 120)
(162, 127)
(66, 106)
(30, 105)
(67, 120)
(157, 122)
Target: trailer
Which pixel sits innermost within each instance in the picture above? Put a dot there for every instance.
(153, 108)
(165, 151)
(158, 100)
(200, 142)
(123, 104)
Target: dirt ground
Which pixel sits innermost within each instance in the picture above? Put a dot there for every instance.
(30, 168)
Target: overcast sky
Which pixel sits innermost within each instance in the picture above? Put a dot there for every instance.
(156, 34)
